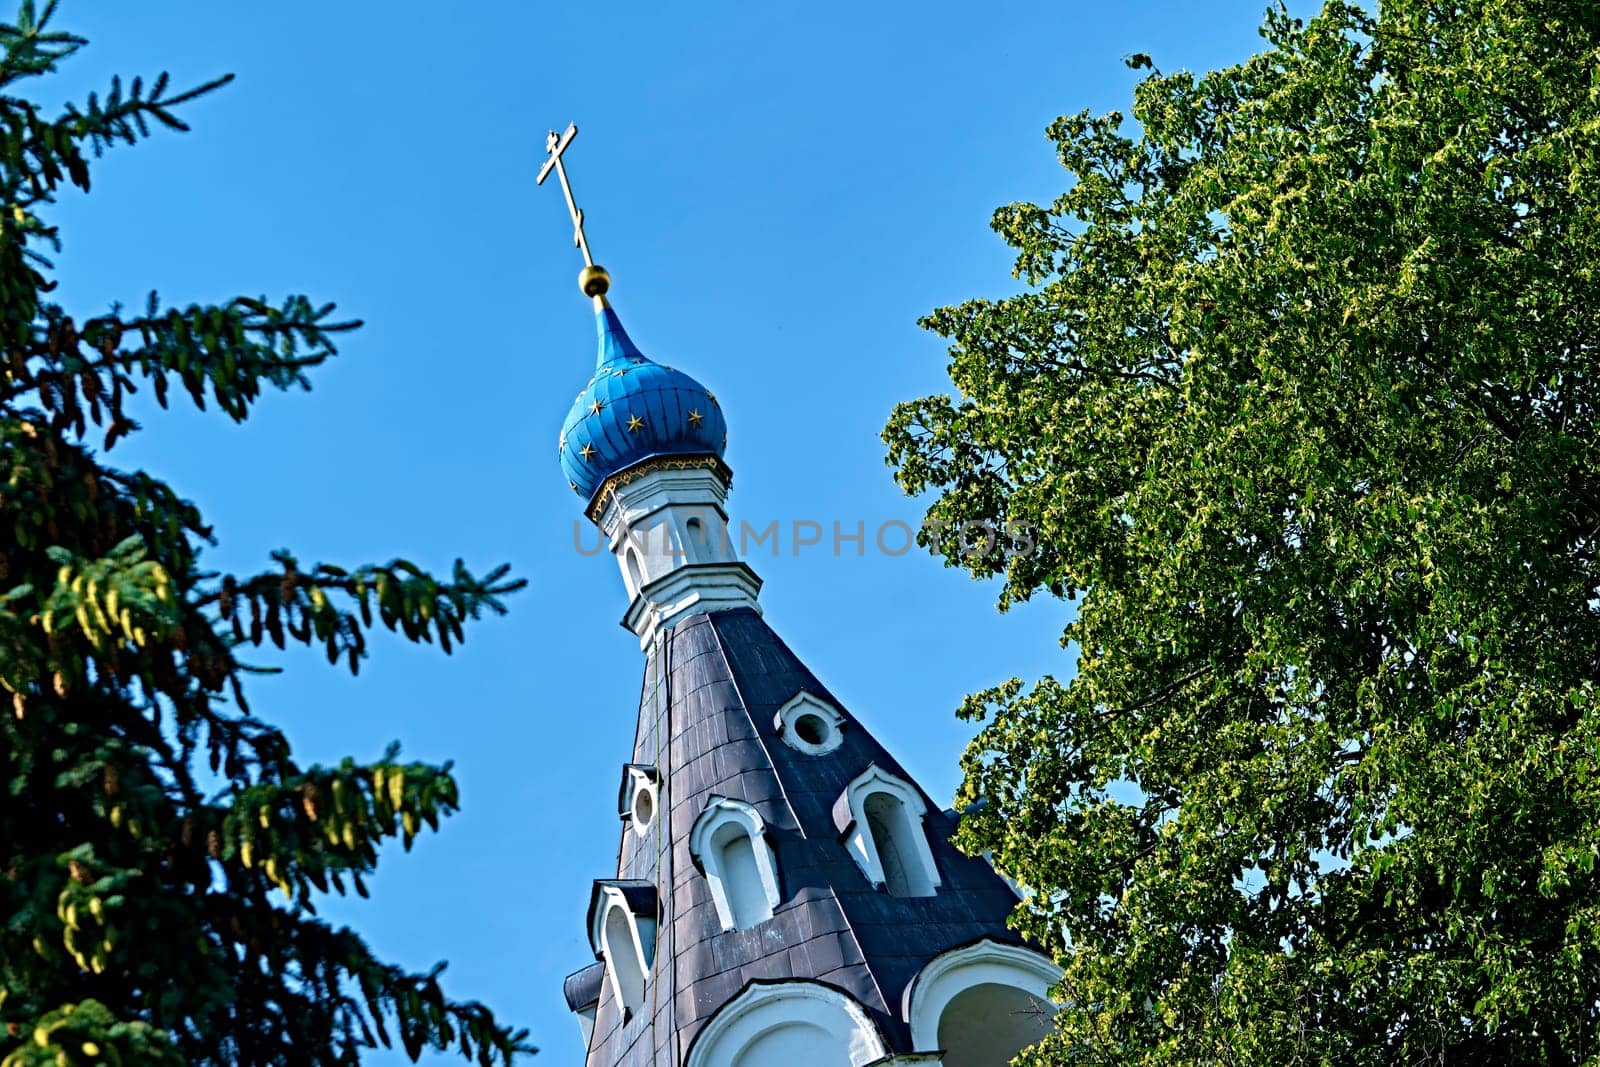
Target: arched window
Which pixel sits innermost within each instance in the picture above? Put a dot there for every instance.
(810, 724)
(986, 1025)
(880, 822)
(622, 932)
(729, 844)
(892, 835)
(695, 546)
(982, 1003)
(781, 1024)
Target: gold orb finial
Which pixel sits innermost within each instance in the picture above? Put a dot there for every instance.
(594, 281)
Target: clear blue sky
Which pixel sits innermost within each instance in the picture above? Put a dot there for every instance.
(779, 191)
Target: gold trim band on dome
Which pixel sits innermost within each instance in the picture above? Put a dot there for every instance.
(608, 488)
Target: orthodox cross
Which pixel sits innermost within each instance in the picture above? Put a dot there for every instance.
(557, 144)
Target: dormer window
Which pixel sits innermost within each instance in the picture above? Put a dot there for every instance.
(622, 932)
(729, 844)
(639, 799)
(810, 724)
(880, 822)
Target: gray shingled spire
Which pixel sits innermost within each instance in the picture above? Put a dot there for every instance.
(706, 724)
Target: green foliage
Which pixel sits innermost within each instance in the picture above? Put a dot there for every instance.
(88, 1035)
(148, 815)
(1301, 403)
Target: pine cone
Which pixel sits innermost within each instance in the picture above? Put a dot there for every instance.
(311, 800)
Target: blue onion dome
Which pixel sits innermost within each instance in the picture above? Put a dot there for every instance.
(634, 409)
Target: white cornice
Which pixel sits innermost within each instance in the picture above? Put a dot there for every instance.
(692, 589)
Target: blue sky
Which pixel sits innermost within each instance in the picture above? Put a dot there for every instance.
(779, 191)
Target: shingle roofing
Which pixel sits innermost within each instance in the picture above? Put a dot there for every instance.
(706, 722)
(582, 988)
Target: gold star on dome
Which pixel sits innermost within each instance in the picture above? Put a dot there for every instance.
(587, 451)
(634, 422)
(695, 418)
(572, 485)
(619, 373)
(594, 409)
(563, 443)
(712, 397)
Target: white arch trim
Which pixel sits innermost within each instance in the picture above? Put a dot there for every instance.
(627, 966)
(850, 816)
(764, 1007)
(723, 812)
(948, 974)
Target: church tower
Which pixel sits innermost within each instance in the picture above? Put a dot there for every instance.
(784, 894)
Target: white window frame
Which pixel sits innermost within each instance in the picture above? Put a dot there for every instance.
(638, 952)
(637, 778)
(807, 703)
(849, 813)
(723, 811)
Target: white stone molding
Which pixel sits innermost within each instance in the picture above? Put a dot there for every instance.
(810, 724)
(880, 821)
(669, 533)
(729, 844)
(782, 1024)
(639, 799)
(985, 963)
(695, 589)
(624, 936)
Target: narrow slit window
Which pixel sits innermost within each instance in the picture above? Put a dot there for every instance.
(635, 572)
(695, 546)
(886, 819)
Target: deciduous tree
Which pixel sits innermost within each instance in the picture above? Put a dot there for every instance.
(1300, 403)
